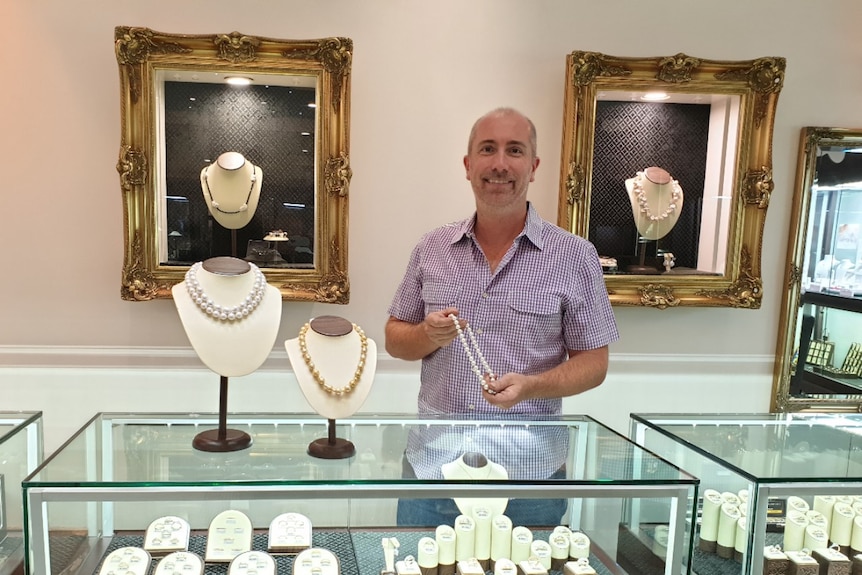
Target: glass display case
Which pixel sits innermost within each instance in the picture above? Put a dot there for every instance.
(770, 484)
(20, 454)
(409, 480)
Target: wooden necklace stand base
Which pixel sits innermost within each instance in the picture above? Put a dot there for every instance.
(331, 447)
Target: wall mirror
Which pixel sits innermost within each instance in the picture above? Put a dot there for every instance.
(234, 145)
(818, 364)
(667, 170)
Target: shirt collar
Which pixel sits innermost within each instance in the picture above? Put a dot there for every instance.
(532, 228)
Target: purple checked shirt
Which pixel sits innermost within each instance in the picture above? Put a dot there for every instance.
(547, 296)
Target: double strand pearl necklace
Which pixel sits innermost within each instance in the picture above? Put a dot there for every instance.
(357, 375)
(643, 202)
(221, 312)
(215, 204)
(469, 348)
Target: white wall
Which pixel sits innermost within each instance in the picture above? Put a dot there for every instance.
(422, 72)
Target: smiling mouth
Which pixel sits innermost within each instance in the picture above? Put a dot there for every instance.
(497, 181)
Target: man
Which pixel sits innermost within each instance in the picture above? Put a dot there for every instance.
(532, 294)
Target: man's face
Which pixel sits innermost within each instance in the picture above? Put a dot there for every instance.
(501, 163)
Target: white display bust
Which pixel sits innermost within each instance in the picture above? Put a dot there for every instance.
(334, 346)
(477, 467)
(656, 200)
(231, 187)
(229, 348)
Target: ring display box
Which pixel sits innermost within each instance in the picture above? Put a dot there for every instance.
(121, 472)
(800, 473)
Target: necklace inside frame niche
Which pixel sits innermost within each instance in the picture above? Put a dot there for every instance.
(334, 363)
(231, 188)
(656, 199)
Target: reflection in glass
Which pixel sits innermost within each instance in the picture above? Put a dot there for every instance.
(819, 352)
(692, 138)
(273, 127)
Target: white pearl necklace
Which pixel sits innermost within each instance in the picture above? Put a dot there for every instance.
(468, 349)
(220, 312)
(643, 202)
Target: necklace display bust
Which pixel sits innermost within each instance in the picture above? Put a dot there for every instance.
(231, 187)
(656, 200)
(236, 347)
(475, 466)
(344, 360)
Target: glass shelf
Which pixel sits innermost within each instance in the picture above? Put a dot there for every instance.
(121, 471)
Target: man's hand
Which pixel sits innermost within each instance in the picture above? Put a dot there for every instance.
(507, 391)
(439, 327)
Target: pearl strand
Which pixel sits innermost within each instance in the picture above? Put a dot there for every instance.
(225, 313)
(475, 346)
(315, 373)
(643, 202)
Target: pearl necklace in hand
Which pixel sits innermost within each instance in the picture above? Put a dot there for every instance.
(463, 334)
(315, 373)
(225, 313)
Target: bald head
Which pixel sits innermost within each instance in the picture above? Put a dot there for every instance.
(500, 112)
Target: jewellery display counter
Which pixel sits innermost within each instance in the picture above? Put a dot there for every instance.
(20, 454)
(773, 487)
(100, 495)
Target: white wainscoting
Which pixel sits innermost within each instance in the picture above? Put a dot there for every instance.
(71, 384)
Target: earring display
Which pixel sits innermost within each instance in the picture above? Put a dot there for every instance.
(289, 533)
(166, 535)
(126, 561)
(853, 360)
(229, 535)
(820, 353)
(252, 563)
(179, 563)
(316, 561)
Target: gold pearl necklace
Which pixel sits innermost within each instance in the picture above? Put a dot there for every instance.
(360, 367)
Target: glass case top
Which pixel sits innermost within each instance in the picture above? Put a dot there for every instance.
(157, 449)
(773, 446)
(14, 422)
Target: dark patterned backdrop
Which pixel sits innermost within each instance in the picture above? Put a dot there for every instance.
(631, 136)
(274, 128)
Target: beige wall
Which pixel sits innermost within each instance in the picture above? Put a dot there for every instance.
(422, 72)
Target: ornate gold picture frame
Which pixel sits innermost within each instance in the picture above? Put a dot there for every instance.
(312, 161)
(731, 161)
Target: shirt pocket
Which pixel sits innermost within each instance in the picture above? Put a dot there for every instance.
(537, 316)
(439, 295)
(535, 304)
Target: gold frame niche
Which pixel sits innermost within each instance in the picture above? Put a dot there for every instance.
(140, 53)
(811, 141)
(757, 83)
